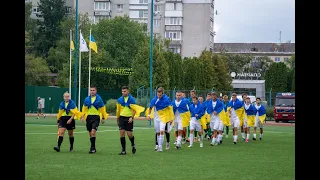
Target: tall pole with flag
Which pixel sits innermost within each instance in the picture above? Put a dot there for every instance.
(76, 56)
(151, 50)
(94, 47)
(83, 48)
(71, 48)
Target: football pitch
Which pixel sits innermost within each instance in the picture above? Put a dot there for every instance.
(271, 158)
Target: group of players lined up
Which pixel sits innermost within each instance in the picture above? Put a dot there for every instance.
(194, 115)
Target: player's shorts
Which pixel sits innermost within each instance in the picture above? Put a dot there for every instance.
(63, 123)
(216, 123)
(258, 123)
(39, 110)
(159, 126)
(124, 124)
(195, 125)
(92, 122)
(235, 122)
(178, 124)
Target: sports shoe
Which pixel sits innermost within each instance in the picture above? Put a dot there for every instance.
(212, 144)
(247, 140)
(190, 146)
(122, 153)
(254, 139)
(243, 139)
(92, 150)
(260, 138)
(134, 150)
(156, 148)
(159, 150)
(71, 149)
(201, 144)
(167, 146)
(234, 142)
(57, 149)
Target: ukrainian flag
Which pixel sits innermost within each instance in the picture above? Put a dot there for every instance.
(262, 113)
(71, 45)
(93, 44)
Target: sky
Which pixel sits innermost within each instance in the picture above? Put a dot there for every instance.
(254, 21)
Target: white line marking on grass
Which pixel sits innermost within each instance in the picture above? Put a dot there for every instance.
(81, 132)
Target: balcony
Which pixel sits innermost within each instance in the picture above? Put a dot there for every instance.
(175, 42)
(173, 13)
(173, 28)
(102, 13)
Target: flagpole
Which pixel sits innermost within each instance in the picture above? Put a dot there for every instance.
(79, 96)
(70, 63)
(89, 63)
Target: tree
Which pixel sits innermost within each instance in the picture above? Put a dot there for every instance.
(191, 67)
(53, 13)
(291, 62)
(237, 62)
(140, 66)
(221, 72)
(206, 71)
(61, 53)
(29, 27)
(277, 77)
(36, 71)
(175, 69)
(293, 84)
(160, 71)
(260, 65)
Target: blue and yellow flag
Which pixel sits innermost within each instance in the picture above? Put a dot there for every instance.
(131, 103)
(71, 45)
(93, 44)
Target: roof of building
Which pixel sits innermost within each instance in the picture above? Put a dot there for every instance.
(254, 47)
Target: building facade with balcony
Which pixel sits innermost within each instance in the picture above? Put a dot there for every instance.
(187, 23)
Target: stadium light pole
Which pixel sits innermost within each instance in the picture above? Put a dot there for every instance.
(76, 58)
(151, 48)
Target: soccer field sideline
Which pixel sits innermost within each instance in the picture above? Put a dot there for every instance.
(114, 128)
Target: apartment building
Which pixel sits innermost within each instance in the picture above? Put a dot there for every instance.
(187, 23)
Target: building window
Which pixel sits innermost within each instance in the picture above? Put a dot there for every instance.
(173, 21)
(173, 6)
(120, 8)
(143, 14)
(143, 1)
(156, 22)
(286, 59)
(173, 35)
(277, 59)
(101, 6)
(157, 8)
(175, 50)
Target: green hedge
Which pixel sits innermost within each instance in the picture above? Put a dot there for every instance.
(269, 113)
(111, 106)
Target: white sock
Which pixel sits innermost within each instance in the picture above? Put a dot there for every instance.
(200, 136)
(243, 135)
(191, 139)
(260, 135)
(254, 135)
(235, 137)
(179, 140)
(161, 141)
(248, 136)
(214, 140)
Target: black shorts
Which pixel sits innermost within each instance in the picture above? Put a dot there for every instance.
(166, 128)
(63, 123)
(92, 122)
(124, 124)
(39, 110)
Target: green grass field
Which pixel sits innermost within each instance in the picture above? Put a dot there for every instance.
(271, 158)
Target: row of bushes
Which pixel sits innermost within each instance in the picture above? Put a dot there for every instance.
(111, 107)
